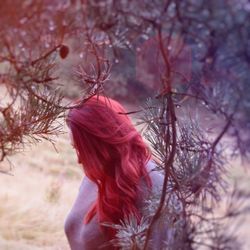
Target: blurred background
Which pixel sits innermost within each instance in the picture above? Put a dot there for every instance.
(207, 44)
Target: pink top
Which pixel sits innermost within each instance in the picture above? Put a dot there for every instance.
(89, 236)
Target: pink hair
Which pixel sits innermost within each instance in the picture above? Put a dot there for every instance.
(113, 156)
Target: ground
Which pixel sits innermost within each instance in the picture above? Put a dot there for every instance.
(34, 201)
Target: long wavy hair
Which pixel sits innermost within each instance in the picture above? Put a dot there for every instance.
(113, 156)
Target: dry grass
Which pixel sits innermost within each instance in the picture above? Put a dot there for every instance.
(35, 201)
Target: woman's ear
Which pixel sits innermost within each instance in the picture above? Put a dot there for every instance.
(73, 145)
(78, 157)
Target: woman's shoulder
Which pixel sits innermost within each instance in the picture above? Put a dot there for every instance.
(153, 169)
(155, 175)
(156, 178)
(158, 235)
(80, 235)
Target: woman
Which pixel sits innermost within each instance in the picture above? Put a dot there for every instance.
(116, 163)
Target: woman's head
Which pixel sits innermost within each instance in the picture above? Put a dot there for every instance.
(100, 131)
(112, 153)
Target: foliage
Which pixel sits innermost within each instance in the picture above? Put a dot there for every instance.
(188, 53)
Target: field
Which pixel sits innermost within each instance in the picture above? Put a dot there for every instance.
(36, 199)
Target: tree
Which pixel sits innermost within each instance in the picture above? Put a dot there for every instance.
(197, 54)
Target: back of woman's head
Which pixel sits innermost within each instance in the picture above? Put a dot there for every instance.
(113, 156)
